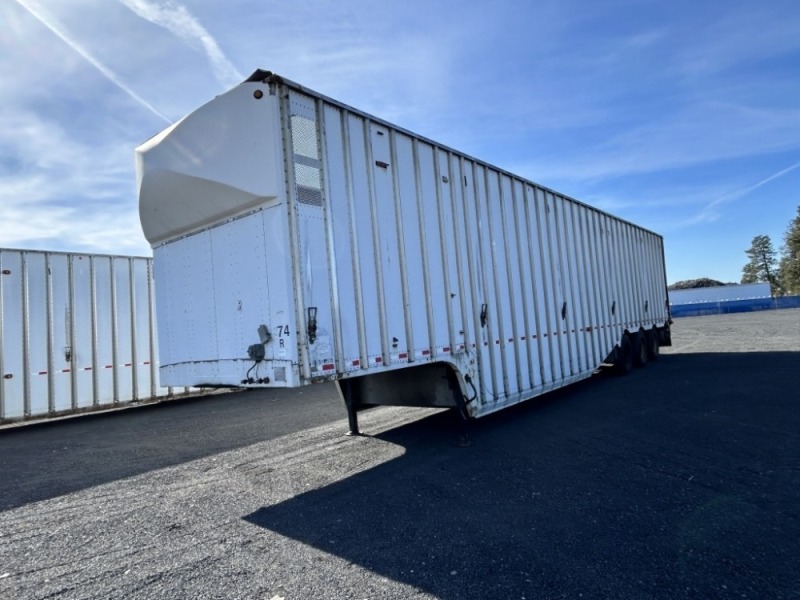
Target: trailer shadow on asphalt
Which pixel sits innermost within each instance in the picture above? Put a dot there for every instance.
(683, 477)
(50, 459)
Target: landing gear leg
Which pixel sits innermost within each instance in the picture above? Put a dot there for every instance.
(352, 414)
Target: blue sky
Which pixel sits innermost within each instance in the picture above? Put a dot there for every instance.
(681, 116)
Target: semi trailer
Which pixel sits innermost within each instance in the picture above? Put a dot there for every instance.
(298, 240)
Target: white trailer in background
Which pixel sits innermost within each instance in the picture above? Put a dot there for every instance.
(77, 334)
(299, 240)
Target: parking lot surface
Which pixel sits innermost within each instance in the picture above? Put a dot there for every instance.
(681, 480)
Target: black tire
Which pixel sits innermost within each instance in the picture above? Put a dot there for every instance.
(653, 347)
(623, 364)
(639, 344)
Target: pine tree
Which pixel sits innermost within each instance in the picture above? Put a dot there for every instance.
(763, 264)
(789, 268)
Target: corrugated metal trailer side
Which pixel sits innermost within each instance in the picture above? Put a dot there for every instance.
(436, 257)
(407, 271)
(77, 333)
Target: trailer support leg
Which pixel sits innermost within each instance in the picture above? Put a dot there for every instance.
(352, 414)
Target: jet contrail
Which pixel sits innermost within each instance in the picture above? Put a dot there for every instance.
(36, 11)
(704, 214)
(178, 20)
(770, 178)
(755, 186)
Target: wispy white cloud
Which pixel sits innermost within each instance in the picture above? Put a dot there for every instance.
(622, 102)
(39, 13)
(388, 61)
(73, 229)
(697, 134)
(177, 19)
(737, 38)
(60, 193)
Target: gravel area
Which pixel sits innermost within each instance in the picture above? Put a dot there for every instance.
(764, 331)
(681, 480)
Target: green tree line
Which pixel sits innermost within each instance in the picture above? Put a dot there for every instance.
(782, 273)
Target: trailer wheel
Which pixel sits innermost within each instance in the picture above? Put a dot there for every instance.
(623, 364)
(639, 348)
(653, 347)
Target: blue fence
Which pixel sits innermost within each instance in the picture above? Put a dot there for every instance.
(733, 306)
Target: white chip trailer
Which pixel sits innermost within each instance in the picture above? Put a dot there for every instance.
(298, 240)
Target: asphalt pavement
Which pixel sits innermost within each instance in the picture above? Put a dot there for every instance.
(681, 480)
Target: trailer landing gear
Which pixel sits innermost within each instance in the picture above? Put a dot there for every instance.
(352, 413)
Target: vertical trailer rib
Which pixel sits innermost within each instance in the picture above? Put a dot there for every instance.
(514, 335)
(456, 191)
(3, 270)
(431, 341)
(93, 327)
(356, 265)
(497, 295)
(151, 332)
(114, 331)
(580, 261)
(71, 350)
(470, 230)
(134, 349)
(544, 274)
(581, 309)
(535, 328)
(594, 295)
(486, 309)
(521, 292)
(401, 253)
(376, 245)
(567, 301)
(528, 282)
(26, 345)
(448, 307)
(333, 281)
(51, 383)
